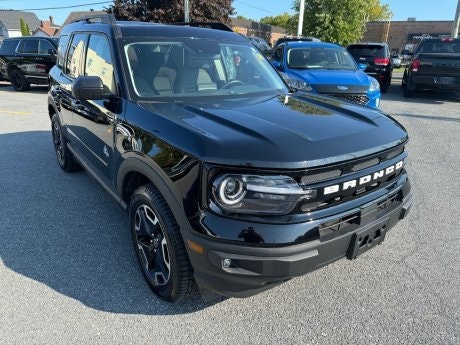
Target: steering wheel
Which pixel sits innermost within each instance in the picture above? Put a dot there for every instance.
(232, 83)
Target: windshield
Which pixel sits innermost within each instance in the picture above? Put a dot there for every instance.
(193, 67)
(320, 58)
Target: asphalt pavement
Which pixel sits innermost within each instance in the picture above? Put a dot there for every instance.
(68, 274)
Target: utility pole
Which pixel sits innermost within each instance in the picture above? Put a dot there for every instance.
(456, 22)
(186, 12)
(300, 26)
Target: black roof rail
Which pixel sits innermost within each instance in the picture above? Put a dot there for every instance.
(106, 18)
(209, 25)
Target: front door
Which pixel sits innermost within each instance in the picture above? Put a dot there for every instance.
(94, 120)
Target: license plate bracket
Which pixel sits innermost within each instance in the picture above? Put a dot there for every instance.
(367, 238)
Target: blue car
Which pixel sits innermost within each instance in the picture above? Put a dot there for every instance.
(328, 69)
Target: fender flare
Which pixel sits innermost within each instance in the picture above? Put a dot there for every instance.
(133, 162)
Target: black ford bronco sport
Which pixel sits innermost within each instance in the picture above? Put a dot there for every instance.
(233, 183)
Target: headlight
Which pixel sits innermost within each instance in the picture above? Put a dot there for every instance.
(258, 194)
(374, 85)
(299, 84)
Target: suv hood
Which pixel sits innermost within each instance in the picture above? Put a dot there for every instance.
(335, 77)
(286, 131)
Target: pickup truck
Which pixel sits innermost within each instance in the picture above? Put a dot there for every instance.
(435, 65)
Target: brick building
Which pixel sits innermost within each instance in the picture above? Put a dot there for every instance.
(250, 28)
(398, 33)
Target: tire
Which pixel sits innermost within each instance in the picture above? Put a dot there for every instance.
(19, 82)
(409, 89)
(64, 157)
(159, 246)
(384, 88)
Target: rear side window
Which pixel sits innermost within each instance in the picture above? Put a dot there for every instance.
(29, 47)
(45, 47)
(8, 47)
(75, 55)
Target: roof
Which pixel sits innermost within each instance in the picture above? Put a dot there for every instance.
(75, 15)
(293, 44)
(11, 19)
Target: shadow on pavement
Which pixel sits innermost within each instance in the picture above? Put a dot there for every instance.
(64, 231)
(36, 89)
(395, 93)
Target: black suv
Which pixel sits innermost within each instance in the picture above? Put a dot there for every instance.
(232, 183)
(377, 57)
(27, 60)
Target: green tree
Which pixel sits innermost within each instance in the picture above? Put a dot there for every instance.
(283, 20)
(339, 21)
(25, 31)
(168, 11)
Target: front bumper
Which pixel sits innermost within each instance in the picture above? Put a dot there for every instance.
(240, 270)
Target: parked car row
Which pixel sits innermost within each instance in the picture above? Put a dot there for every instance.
(305, 62)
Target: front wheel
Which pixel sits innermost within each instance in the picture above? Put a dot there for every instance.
(159, 245)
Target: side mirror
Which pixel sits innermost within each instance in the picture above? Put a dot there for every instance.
(276, 64)
(89, 87)
(52, 51)
(362, 66)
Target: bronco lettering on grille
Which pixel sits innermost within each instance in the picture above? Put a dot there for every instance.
(363, 179)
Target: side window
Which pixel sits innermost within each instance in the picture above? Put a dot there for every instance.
(9, 47)
(75, 55)
(29, 47)
(62, 47)
(99, 61)
(45, 47)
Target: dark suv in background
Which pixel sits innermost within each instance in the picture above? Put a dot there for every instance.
(27, 60)
(377, 57)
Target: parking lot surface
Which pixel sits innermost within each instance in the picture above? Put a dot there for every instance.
(68, 274)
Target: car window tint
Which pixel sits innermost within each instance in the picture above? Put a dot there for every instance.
(29, 47)
(75, 55)
(45, 47)
(9, 47)
(99, 61)
(367, 50)
(62, 47)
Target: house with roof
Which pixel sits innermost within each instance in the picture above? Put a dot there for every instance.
(10, 23)
(47, 28)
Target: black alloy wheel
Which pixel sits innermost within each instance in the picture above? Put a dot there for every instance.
(159, 245)
(151, 245)
(64, 156)
(19, 82)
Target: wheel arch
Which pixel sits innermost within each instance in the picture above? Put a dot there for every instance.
(136, 171)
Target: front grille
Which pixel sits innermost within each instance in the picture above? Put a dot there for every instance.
(360, 99)
(341, 183)
(353, 167)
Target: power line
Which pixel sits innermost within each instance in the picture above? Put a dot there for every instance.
(64, 7)
(257, 8)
